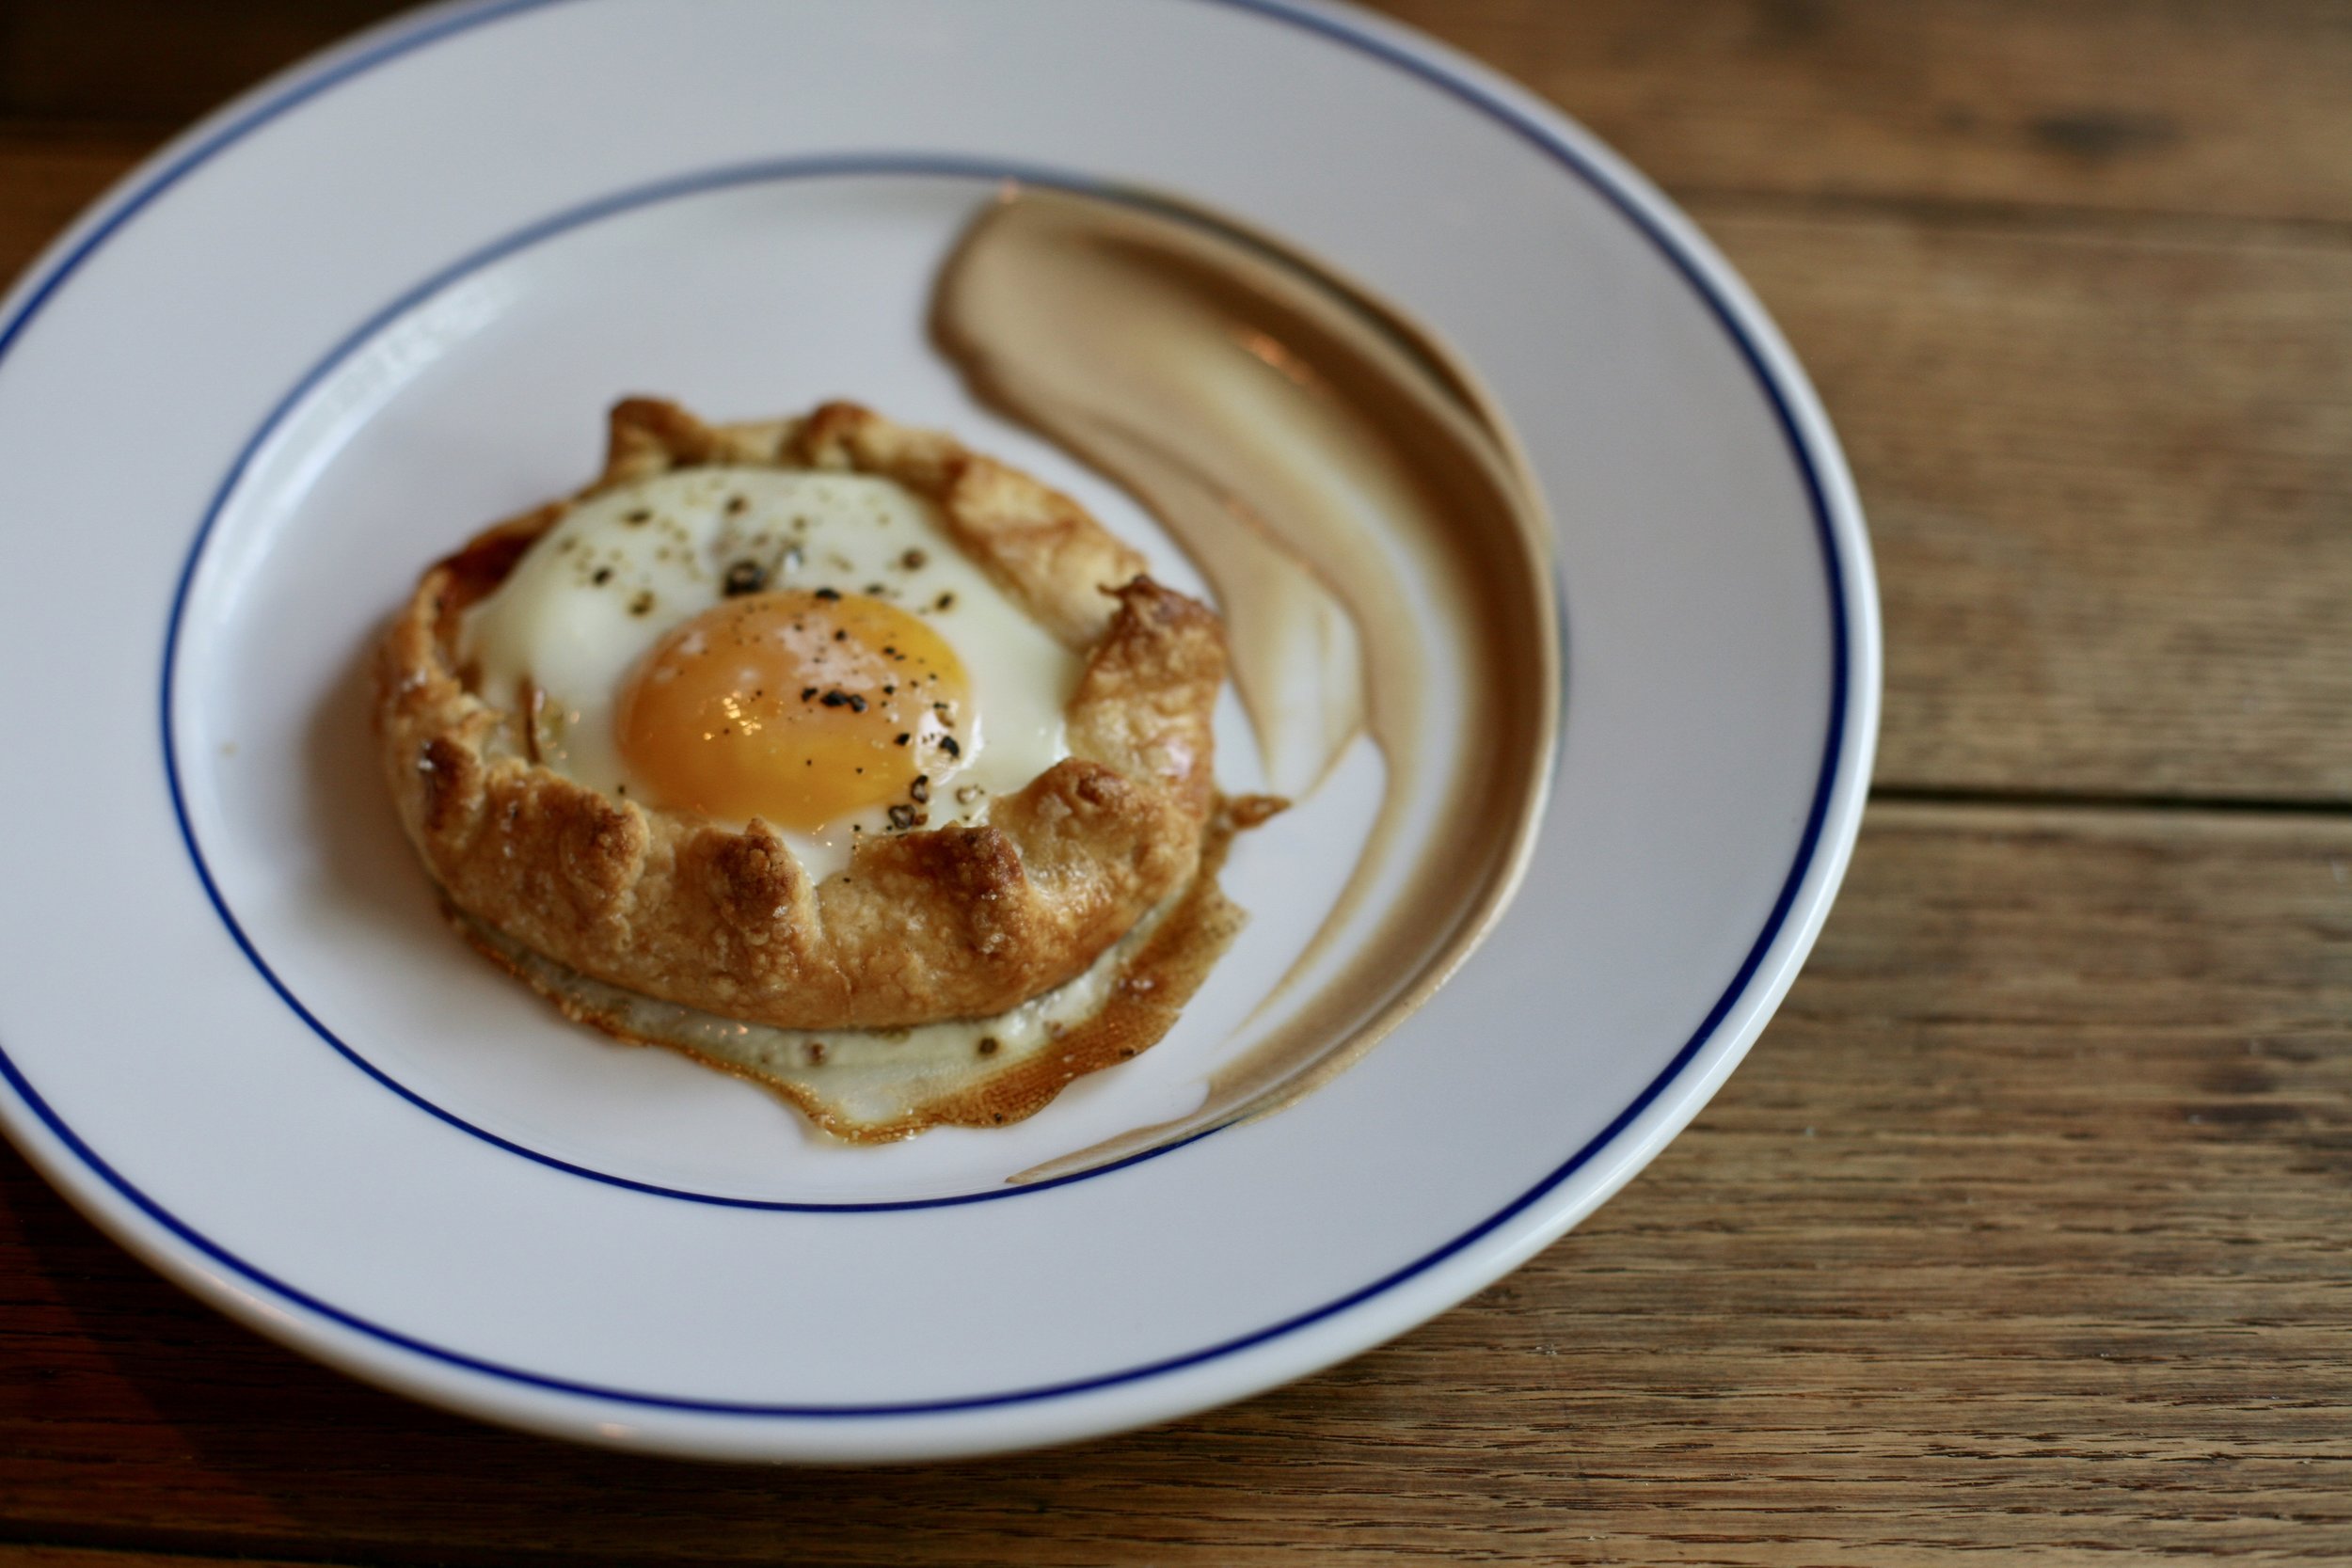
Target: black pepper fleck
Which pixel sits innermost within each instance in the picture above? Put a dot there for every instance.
(920, 790)
(745, 577)
(829, 593)
(914, 560)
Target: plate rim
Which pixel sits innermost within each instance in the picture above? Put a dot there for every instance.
(1666, 1103)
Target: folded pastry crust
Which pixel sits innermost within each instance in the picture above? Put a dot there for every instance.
(954, 922)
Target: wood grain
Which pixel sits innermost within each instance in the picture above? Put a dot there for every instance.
(144, 65)
(2109, 480)
(2204, 107)
(44, 184)
(2023, 1230)
(26, 1556)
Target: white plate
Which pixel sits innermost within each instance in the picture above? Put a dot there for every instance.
(316, 341)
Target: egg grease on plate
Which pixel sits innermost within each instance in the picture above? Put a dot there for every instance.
(870, 1086)
(1366, 520)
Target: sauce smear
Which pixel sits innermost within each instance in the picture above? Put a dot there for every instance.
(1377, 549)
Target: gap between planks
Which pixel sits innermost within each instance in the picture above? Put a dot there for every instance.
(2083, 801)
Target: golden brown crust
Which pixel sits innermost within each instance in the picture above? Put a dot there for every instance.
(962, 921)
(1039, 545)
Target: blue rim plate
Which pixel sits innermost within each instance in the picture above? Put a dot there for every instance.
(1722, 713)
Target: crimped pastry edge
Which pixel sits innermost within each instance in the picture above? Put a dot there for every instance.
(960, 921)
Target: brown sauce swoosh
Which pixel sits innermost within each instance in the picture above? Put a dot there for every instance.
(1375, 541)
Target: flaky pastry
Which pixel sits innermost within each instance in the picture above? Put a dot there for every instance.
(955, 922)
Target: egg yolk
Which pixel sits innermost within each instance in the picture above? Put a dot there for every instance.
(795, 706)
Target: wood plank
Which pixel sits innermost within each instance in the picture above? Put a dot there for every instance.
(2023, 1233)
(2200, 106)
(44, 185)
(2110, 480)
(34, 1556)
(157, 63)
(2173, 105)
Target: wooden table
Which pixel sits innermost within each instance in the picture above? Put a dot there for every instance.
(2026, 1229)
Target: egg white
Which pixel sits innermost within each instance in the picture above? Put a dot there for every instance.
(862, 1077)
(625, 567)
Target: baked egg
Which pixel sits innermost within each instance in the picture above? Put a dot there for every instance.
(807, 649)
(828, 752)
